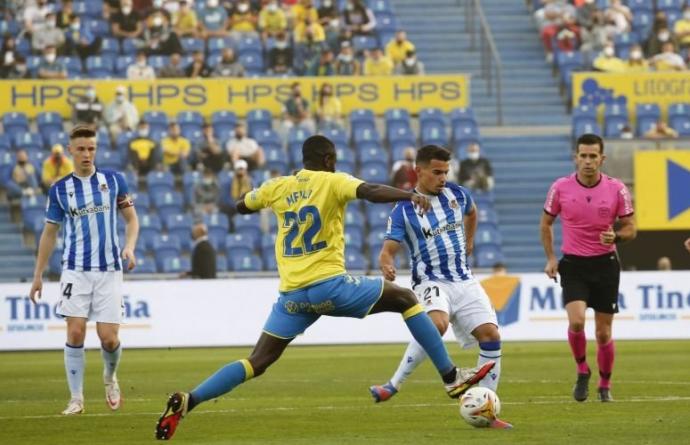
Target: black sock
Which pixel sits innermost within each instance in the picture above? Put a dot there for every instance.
(450, 376)
(191, 403)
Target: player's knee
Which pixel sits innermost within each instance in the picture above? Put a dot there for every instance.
(603, 336)
(76, 335)
(441, 325)
(110, 344)
(406, 299)
(261, 363)
(576, 325)
(487, 332)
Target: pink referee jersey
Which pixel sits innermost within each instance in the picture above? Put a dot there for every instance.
(587, 211)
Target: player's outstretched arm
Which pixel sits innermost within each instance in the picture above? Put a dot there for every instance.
(389, 249)
(45, 248)
(242, 208)
(380, 193)
(546, 229)
(131, 235)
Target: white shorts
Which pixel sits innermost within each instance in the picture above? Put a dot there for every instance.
(94, 295)
(466, 303)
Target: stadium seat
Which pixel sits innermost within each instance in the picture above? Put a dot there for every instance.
(647, 115)
(144, 266)
(149, 227)
(268, 138)
(584, 127)
(465, 131)
(28, 141)
(259, 119)
(157, 120)
(641, 5)
(252, 61)
(221, 263)
(190, 120)
(434, 133)
(73, 64)
(681, 125)
(276, 159)
(355, 260)
(269, 260)
(238, 244)
(48, 122)
(245, 263)
(678, 109)
(488, 255)
(159, 182)
(361, 115)
(122, 63)
(385, 23)
(354, 218)
(297, 135)
(372, 153)
(613, 127)
(167, 203)
(458, 115)
(400, 133)
(364, 135)
(176, 265)
(487, 234)
(100, 66)
(364, 43)
(109, 159)
(5, 142)
(14, 122)
(337, 135)
(110, 47)
(249, 43)
(166, 245)
(223, 123)
(142, 200)
(376, 172)
(249, 225)
(354, 238)
(189, 180)
(428, 115)
(375, 240)
(180, 226)
(487, 215)
(191, 44)
(217, 222)
(377, 216)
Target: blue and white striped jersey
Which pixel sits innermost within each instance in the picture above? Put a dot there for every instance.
(89, 208)
(436, 240)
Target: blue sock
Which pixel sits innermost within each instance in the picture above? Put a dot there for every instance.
(490, 350)
(426, 334)
(223, 381)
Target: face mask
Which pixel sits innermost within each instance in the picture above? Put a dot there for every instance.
(208, 181)
(119, 98)
(158, 21)
(9, 58)
(335, 23)
(126, 10)
(350, 7)
(50, 23)
(90, 94)
(608, 51)
(686, 15)
(212, 3)
(141, 63)
(664, 36)
(143, 132)
(272, 7)
(410, 61)
(636, 55)
(20, 68)
(242, 8)
(157, 3)
(74, 26)
(627, 135)
(473, 155)
(281, 44)
(50, 58)
(346, 57)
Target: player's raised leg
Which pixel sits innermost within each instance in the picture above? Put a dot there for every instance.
(111, 351)
(605, 354)
(74, 364)
(397, 299)
(578, 346)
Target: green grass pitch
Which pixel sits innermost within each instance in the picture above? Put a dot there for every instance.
(318, 395)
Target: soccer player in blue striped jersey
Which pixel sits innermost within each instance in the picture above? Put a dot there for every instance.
(86, 202)
(439, 242)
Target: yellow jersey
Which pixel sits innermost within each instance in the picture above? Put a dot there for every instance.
(310, 207)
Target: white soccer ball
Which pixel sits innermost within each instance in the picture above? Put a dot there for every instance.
(479, 406)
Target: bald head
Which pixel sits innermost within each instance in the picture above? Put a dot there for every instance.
(199, 230)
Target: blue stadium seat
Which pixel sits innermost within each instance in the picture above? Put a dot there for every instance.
(14, 122)
(109, 159)
(641, 5)
(355, 260)
(269, 260)
(217, 222)
(142, 200)
(55, 262)
(217, 240)
(375, 240)
(376, 172)
(379, 6)
(268, 241)
(682, 125)
(157, 120)
(149, 227)
(183, 221)
(28, 141)
(223, 122)
(647, 115)
(259, 176)
(354, 238)
(166, 245)
(487, 234)
(170, 264)
(259, 119)
(361, 115)
(584, 127)
(678, 109)
(365, 134)
(5, 142)
(189, 180)
(249, 225)
(157, 61)
(615, 110)
(642, 23)
(32, 207)
(268, 138)
(613, 127)
(252, 61)
(167, 203)
(100, 66)
(396, 115)
(239, 244)
(221, 263)
(216, 45)
(465, 131)
(488, 255)
(191, 44)
(487, 215)
(623, 42)
(48, 122)
(128, 47)
(434, 133)
(110, 47)
(569, 60)
(458, 115)
(190, 120)
(10, 27)
(276, 159)
(385, 23)
(427, 115)
(354, 218)
(584, 112)
(73, 64)
(400, 133)
(160, 181)
(245, 263)
(297, 135)
(122, 63)
(144, 266)
(344, 153)
(377, 215)
(372, 153)
(249, 43)
(364, 43)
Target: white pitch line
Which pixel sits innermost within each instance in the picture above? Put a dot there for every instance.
(563, 401)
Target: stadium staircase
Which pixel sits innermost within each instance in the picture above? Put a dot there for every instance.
(530, 92)
(18, 260)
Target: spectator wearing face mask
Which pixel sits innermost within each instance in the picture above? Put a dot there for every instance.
(410, 66)
(159, 38)
(403, 174)
(228, 65)
(476, 172)
(358, 18)
(209, 153)
(325, 67)
(126, 23)
(272, 20)
(608, 62)
(213, 20)
(206, 193)
(280, 57)
(346, 64)
(50, 67)
(22, 180)
(309, 31)
(328, 109)
(198, 67)
(304, 11)
(243, 20)
(47, 35)
(88, 109)
(657, 41)
(328, 13)
(636, 62)
(173, 70)
(35, 14)
(140, 69)
(8, 55)
(376, 64)
(79, 40)
(296, 111)
(241, 184)
(185, 22)
(176, 149)
(18, 69)
(121, 114)
(397, 48)
(618, 18)
(668, 59)
(143, 151)
(55, 167)
(242, 147)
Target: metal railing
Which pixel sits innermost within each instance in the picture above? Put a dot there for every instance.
(490, 60)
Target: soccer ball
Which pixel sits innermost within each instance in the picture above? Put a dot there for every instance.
(479, 407)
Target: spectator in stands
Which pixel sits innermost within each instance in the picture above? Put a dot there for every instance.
(176, 149)
(586, 12)
(551, 12)
(403, 174)
(329, 20)
(50, 67)
(35, 14)
(636, 62)
(656, 41)
(88, 109)
(159, 38)
(47, 35)
(475, 171)
(376, 64)
(565, 31)
(126, 23)
(241, 184)
(23, 180)
(143, 151)
(664, 264)
(208, 153)
(203, 254)
(64, 16)
(185, 22)
(618, 17)
(308, 54)
(358, 18)
(397, 48)
(198, 67)
(296, 110)
(627, 132)
(173, 70)
(661, 131)
(121, 114)
(242, 147)
(325, 67)
(346, 64)
(410, 66)
(304, 11)
(55, 166)
(681, 30)
(8, 54)
(140, 69)
(243, 20)
(213, 20)
(157, 8)
(309, 31)
(80, 41)
(272, 20)
(228, 66)
(280, 56)
(328, 109)
(668, 59)
(594, 37)
(206, 193)
(499, 270)
(18, 70)
(608, 62)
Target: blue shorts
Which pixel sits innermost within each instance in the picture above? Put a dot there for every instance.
(341, 296)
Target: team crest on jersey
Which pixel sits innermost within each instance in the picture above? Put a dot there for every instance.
(104, 187)
(454, 204)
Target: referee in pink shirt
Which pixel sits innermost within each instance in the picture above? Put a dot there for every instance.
(589, 203)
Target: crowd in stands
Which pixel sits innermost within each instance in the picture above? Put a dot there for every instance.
(147, 39)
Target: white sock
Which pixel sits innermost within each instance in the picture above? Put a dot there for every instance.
(414, 355)
(490, 350)
(74, 369)
(110, 361)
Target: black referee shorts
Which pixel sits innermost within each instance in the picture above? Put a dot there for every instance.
(594, 280)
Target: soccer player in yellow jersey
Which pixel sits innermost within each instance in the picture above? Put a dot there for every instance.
(313, 282)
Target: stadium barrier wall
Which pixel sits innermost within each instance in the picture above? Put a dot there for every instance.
(186, 313)
(630, 89)
(241, 95)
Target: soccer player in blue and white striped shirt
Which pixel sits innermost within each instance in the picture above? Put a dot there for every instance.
(87, 201)
(439, 242)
